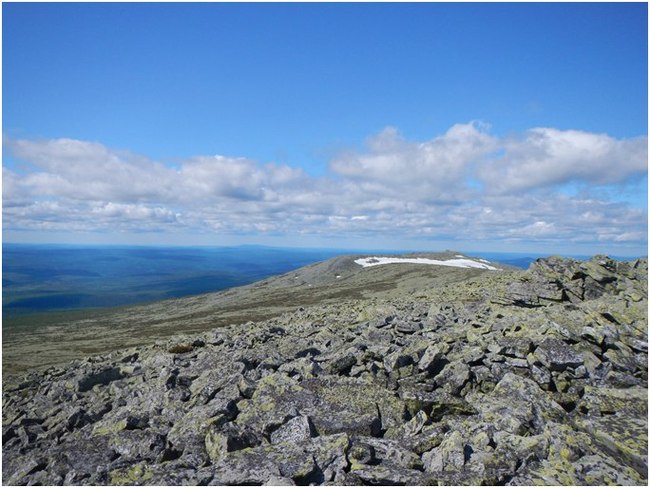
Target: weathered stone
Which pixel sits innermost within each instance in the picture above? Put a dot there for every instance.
(397, 360)
(432, 359)
(434, 404)
(514, 347)
(245, 467)
(471, 356)
(410, 428)
(453, 377)
(246, 387)
(448, 456)
(621, 357)
(137, 444)
(138, 474)
(408, 327)
(187, 435)
(228, 438)
(361, 453)
(556, 355)
(601, 470)
(279, 481)
(123, 421)
(31, 465)
(295, 430)
(429, 437)
(206, 386)
(518, 405)
(333, 404)
(102, 377)
(314, 460)
(543, 381)
(304, 368)
(617, 420)
(388, 451)
(517, 362)
(342, 365)
(385, 475)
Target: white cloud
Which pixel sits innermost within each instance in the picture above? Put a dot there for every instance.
(630, 237)
(397, 188)
(209, 177)
(13, 192)
(546, 157)
(88, 170)
(538, 229)
(434, 170)
(133, 212)
(206, 177)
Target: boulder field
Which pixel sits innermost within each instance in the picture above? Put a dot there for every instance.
(536, 377)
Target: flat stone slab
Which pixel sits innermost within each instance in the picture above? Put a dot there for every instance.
(557, 355)
(618, 421)
(333, 404)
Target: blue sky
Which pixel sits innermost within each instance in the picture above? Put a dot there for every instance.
(507, 127)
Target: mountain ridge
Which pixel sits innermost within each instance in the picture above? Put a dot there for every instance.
(90, 332)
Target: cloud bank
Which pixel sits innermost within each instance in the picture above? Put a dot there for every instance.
(465, 184)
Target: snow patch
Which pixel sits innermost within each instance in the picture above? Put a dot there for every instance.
(456, 263)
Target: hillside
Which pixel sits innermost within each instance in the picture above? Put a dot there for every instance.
(427, 375)
(57, 337)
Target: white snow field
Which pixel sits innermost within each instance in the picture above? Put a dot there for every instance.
(456, 263)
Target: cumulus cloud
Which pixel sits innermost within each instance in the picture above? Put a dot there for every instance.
(88, 170)
(121, 211)
(435, 170)
(544, 157)
(239, 178)
(465, 184)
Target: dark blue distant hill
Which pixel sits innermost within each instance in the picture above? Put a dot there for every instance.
(39, 278)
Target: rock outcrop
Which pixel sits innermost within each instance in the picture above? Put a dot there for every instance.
(536, 377)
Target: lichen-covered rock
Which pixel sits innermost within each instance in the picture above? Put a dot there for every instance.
(275, 399)
(227, 438)
(454, 377)
(603, 470)
(352, 406)
(295, 430)
(386, 452)
(385, 475)
(279, 481)
(342, 365)
(617, 421)
(397, 360)
(320, 460)
(245, 467)
(433, 359)
(137, 444)
(557, 355)
(518, 405)
(102, 377)
(450, 455)
(514, 377)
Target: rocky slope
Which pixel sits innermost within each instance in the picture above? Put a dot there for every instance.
(55, 338)
(536, 377)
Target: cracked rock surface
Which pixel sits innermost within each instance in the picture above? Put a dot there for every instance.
(517, 378)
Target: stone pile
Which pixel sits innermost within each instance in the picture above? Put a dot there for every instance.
(536, 377)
